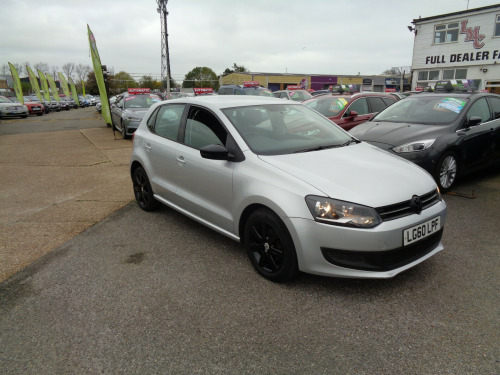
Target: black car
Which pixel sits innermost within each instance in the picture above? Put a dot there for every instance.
(445, 133)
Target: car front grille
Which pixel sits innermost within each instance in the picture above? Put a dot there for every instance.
(380, 261)
(395, 211)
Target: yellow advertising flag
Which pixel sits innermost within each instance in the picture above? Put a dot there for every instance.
(96, 62)
(64, 85)
(83, 89)
(73, 92)
(45, 86)
(17, 83)
(53, 87)
(34, 83)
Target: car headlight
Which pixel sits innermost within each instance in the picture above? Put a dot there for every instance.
(336, 212)
(414, 146)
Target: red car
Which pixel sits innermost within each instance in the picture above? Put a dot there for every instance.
(347, 111)
(34, 108)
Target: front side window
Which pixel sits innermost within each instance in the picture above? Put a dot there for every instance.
(479, 109)
(446, 33)
(495, 107)
(360, 106)
(203, 129)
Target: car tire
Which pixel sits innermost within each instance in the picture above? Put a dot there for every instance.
(142, 190)
(270, 246)
(446, 171)
(124, 130)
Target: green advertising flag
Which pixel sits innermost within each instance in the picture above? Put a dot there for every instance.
(17, 83)
(64, 85)
(96, 62)
(83, 89)
(53, 87)
(34, 83)
(45, 86)
(73, 92)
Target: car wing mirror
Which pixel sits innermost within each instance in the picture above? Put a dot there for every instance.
(474, 120)
(214, 152)
(351, 114)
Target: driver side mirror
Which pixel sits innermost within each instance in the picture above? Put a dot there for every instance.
(352, 114)
(473, 121)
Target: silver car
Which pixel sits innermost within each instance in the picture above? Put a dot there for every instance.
(297, 191)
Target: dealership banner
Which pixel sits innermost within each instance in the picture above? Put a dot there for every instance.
(73, 92)
(64, 85)
(34, 83)
(45, 86)
(53, 87)
(96, 62)
(17, 83)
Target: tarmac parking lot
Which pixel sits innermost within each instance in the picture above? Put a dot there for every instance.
(89, 283)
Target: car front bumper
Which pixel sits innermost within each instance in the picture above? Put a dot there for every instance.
(375, 253)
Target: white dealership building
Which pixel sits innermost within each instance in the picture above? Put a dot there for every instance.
(460, 45)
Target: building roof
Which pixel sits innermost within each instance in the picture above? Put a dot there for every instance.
(467, 11)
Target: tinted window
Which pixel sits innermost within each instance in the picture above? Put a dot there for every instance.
(203, 129)
(377, 104)
(495, 107)
(388, 101)
(168, 121)
(360, 106)
(479, 109)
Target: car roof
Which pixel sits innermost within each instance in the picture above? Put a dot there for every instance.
(229, 101)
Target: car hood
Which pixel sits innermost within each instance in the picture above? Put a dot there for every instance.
(359, 173)
(395, 134)
(136, 113)
(5, 105)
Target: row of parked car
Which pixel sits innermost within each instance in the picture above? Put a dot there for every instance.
(10, 107)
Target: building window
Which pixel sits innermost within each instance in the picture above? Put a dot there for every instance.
(454, 73)
(446, 33)
(497, 25)
(428, 75)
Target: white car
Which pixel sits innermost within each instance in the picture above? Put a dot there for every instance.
(296, 190)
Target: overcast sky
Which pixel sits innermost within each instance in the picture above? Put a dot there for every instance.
(274, 36)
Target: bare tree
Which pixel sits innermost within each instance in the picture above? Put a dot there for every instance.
(5, 70)
(68, 69)
(54, 70)
(82, 71)
(43, 67)
(19, 68)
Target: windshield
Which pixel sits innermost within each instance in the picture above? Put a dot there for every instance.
(426, 110)
(258, 92)
(4, 100)
(141, 101)
(300, 96)
(329, 106)
(278, 129)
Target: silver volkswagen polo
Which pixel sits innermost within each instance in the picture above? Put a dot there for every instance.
(297, 191)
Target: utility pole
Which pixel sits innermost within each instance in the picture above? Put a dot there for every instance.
(165, 59)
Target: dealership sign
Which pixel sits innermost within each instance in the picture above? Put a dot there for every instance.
(463, 57)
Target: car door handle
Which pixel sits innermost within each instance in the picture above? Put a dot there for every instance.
(148, 148)
(180, 159)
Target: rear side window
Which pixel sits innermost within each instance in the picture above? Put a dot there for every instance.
(168, 121)
(388, 101)
(377, 104)
(495, 107)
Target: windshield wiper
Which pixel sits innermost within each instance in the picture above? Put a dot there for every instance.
(325, 147)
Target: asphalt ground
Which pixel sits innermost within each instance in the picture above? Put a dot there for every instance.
(156, 293)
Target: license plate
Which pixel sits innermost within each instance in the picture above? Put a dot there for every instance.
(36, 108)
(14, 112)
(420, 231)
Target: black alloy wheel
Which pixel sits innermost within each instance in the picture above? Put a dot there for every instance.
(446, 171)
(143, 191)
(270, 246)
